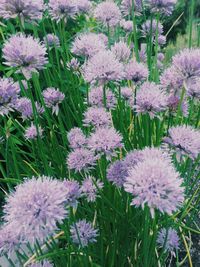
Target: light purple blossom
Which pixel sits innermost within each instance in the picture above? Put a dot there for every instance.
(108, 13)
(31, 132)
(72, 191)
(25, 53)
(126, 92)
(171, 80)
(127, 25)
(117, 173)
(162, 40)
(97, 117)
(152, 27)
(103, 67)
(44, 263)
(193, 88)
(185, 139)
(83, 6)
(136, 72)
(9, 92)
(74, 65)
(126, 7)
(52, 40)
(173, 104)
(81, 159)
(90, 188)
(35, 208)
(105, 141)
(52, 98)
(162, 6)
(62, 9)
(88, 44)
(169, 240)
(96, 98)
(76, 138)
(155, 183)
(83, 233)
(122, 51)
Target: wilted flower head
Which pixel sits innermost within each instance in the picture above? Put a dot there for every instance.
(117, 173)
(9, 92)
(108, 13)
(136, 72)
(27, 10)
(35, 208)
(32, 132)
(25, 53)
(90, 187)
(44, 263)
(126, 7)
(83, 233)
(185, 139)
(81, 159)
(62, 9)
(155, 183)
(83, 6)
(96, 98)
(53, 97)
(76, 138)
(127, 25)
(105, 141)
(162, 6)
(151, 27)
(103, 67)
(150, 99)
(24, 106)
(168, 239)
(97, 117)
(72, 191)
(121, 50)
(88, 44)
(52, 40)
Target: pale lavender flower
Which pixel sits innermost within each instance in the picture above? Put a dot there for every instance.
(126, 7)
(126, 92)
(81, 159)
(96, 98)
(44, 263)
(169, 240)
(51, 40)
(117, 172)
(9, 92)
(76, 138)
(150, 99)
(26, 10)
(72, 191)
(155, 183)
(25, 53)
(24, 106)
(90, 188)
(171, 80)
(74, 65)
(162, 40)
(173, 104)
(83, 233)
(162, 6)
(160, 56)
(136, 72)
(132, 158)
(31, 132)
(35, 208)
(62, 9)
(122, 51)
(108, 13)
(52, 98)
(127, 25)
(193, 88)
(88, 44)
(151, 27)
(105, 141)
(185, 139)
(97, 117)
(103, 67)
(83, 6)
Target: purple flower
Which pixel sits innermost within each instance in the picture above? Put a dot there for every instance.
(136, 72)
(97, 117)
(31, 132)
(126, 93)
(168, 239)
(127, 25)
(103, 67)
(81, 159)
(88, 44)
(108, 13)
(173, 104)
(171, 80)
(162, 40)
(193, 88)
(51, 40)
(72, 191)
(155, 183)
(44, 263)
(185, 139)
(122, 51)
(27, 10)
(25, 53)
(151, 27)
(150, 99)
(76, 138)
(90, 188)
(83, 233)
(53, 97)
(24, 106)
(62, 9)
(74, 65)
(83, 6)
(105, 141)
(117, 173)
(9, 92)
(35, 208)
(162, 6)
(96, 98)
(126, 7)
